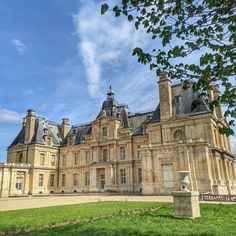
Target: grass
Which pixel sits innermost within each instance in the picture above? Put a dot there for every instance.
(217, 219)
(57, 214)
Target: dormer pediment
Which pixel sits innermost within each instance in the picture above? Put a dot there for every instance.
(19, 146)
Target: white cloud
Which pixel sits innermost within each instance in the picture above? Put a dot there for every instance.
(103, 41)
(19, 46)
(9, 116)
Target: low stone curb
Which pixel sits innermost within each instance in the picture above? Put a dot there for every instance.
(91, 219)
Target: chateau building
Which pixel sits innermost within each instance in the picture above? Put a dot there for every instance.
(121, 151)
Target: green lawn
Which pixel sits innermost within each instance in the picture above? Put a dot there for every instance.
(50, 215)
(216, 220)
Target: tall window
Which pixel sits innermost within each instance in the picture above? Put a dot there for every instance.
(53, 160)
(21, 157)
(63, 180)
(87, 178)
(104, 131)
(105, 155)
(75, 179)
(138, 152)
(139, 175)
(42, 158)
(87, 157)
(122, 176)
(76, 159)
(40, 183)
(64, 160)
(122, 153)
(52, 176)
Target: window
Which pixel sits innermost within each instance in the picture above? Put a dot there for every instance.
(76, 159)
(49, 141)
(87, 156)
(40, 183)
(63, 180)
(64, 160)
(179, 135)
(138, 151)
(70, 141)
(105, 155)
(19, 183)
(21, 157)
(104, 131)
(122, 176)
(51, 180)
(42, 157)
(75, 179)
(87, 178)
(122, 153)
(139, 175)
(53, 160)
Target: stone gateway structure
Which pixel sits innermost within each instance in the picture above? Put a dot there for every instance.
(124, 152)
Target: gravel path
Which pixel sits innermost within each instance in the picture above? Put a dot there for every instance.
(45, 201)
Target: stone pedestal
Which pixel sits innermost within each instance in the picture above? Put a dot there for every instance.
(186, 204)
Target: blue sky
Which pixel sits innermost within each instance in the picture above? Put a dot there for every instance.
(59, 58)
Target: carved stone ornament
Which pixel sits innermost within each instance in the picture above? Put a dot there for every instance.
(166, 161)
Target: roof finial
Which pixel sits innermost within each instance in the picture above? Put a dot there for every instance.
(110, 87)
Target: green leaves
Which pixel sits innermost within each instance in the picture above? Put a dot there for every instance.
(104, 8)
(201, 30)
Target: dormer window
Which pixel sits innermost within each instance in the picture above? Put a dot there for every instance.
(48, 141)
(178, 104)
(70, 141)
(20, 157)
(45, 131)
(104, 132)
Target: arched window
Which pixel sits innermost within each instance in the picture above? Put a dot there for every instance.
(179, 135)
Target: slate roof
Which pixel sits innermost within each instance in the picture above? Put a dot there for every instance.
(135, 121)
(42, 128)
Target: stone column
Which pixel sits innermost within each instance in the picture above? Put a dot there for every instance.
(93, 179)
(193, 170)
(5, 182)
(148, 178)
(227, 178)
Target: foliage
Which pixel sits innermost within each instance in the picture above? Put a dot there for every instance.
(217, 219)
(190, 28)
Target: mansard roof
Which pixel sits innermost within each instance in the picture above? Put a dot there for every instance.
(110, 107)
(42, 128)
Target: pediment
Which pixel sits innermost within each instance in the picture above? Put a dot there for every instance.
(18, 146)
(105, 118)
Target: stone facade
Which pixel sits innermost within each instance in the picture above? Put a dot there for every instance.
(124, 152)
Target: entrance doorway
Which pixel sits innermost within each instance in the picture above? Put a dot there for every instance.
(19, 185)
(168, 177)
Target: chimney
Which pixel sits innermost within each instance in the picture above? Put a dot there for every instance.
(165, 96)
(65, 127)
(216, 92)
(23, 122)
(29, 125)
